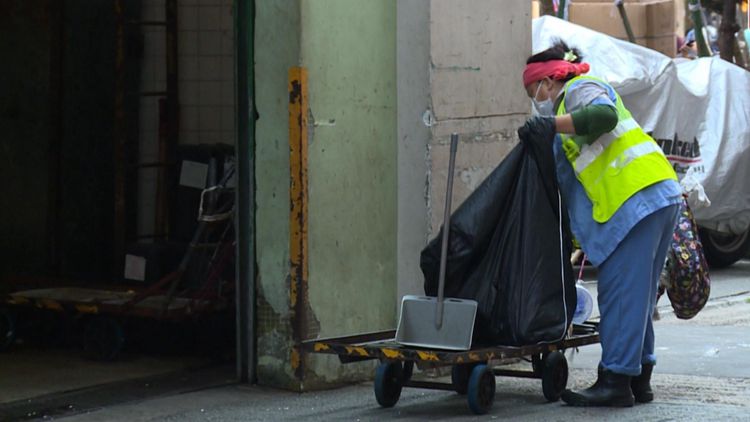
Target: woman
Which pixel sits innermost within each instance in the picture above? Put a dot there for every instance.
(622, 196)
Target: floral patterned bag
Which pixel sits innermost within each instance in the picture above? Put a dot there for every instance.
(685, 275)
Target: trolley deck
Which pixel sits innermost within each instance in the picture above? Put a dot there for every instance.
(473, 371)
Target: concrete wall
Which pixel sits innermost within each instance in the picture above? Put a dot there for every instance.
(460, 65)
(349, 48)
(414, 96)
(478, 52)
(388, 82)
(277, 35)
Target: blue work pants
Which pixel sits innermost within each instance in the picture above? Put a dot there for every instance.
(627, 287)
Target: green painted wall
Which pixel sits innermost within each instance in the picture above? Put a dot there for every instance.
(277, 27)
(349, 49)
(352, 170)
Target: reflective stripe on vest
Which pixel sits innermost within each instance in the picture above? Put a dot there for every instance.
(590, 152)
(619, 163)
(634, 152)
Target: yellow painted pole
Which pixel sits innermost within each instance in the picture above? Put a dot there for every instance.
(298, 216)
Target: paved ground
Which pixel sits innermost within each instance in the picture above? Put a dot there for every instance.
(716, 343)
(31, 371)
(679, 398)
(703, 374)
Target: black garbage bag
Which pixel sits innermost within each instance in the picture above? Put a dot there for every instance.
(509, 249)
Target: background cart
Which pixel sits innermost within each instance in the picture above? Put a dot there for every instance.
(201, 287)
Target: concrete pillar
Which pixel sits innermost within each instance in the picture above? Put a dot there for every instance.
(277, 34)
(478, 51)
(388, 82)
(414, 115)
(349, 50)
(459, 70)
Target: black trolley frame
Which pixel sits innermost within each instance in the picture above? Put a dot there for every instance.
(473, 371)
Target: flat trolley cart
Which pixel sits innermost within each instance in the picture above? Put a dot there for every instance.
(104, 313)
(175, 298)
(473, 372)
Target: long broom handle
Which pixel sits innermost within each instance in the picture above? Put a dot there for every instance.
(446, 232)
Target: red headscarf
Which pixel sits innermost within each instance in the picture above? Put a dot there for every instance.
(555, 69)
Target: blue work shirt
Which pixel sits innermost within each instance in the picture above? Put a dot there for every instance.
(599, 240)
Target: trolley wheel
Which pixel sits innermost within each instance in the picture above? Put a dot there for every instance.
(481, 392)
(7, 329)
(460, 375)
(389, 380)
(103, 338)
(408, 370)
(554, 375)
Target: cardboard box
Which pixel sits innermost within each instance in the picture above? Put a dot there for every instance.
(653, 22)
(665, 44)
(660, 18)
(604, 18)
(680, 18)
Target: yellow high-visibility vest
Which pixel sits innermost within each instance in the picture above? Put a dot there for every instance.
(618, 164)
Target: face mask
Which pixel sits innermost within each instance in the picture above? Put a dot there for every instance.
(542, 108)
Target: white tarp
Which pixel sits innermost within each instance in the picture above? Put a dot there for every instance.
(697, 110)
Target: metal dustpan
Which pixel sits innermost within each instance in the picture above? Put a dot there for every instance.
(438, 323)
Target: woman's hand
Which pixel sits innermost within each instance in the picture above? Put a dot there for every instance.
(545, 127)
(564, 124)
(538, 128)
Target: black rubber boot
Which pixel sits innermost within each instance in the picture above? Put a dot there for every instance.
(641, 385)
(610, 389)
